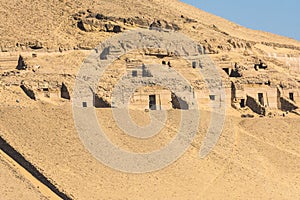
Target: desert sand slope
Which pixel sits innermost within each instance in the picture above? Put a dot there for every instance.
(247, 163)
(14, 185)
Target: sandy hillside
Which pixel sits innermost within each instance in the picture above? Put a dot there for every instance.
(16, 186)
(246, 159)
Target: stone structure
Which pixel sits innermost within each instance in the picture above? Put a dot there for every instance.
(288, 98)
(244, 86)
(256, 93)
(21, 64)
(38, 90)
(263, 96)
(153, 98)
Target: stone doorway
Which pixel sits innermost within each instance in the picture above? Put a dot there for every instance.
(261, 98)
(291, 96)
(152, 102)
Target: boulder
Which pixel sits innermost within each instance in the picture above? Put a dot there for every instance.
(117, 29)
(35, 45)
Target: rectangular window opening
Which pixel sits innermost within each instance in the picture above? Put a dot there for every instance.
(134, 73)
(291, 96)
(212, 97)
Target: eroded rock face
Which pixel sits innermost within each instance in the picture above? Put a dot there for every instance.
(137, 21)
(236, 43)
(32, 44)
(162, 24)
(92, 22)
(91, 25)
(95, 22)
(113, 28)
(35, 45)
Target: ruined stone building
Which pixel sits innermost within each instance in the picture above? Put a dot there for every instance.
(39, 90)
(151, 79)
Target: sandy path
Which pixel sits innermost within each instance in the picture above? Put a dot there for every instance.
(36, 183)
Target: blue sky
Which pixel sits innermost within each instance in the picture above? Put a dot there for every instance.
(276, 16)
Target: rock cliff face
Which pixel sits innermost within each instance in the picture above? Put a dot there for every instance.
(41, 29)
(245, 57)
